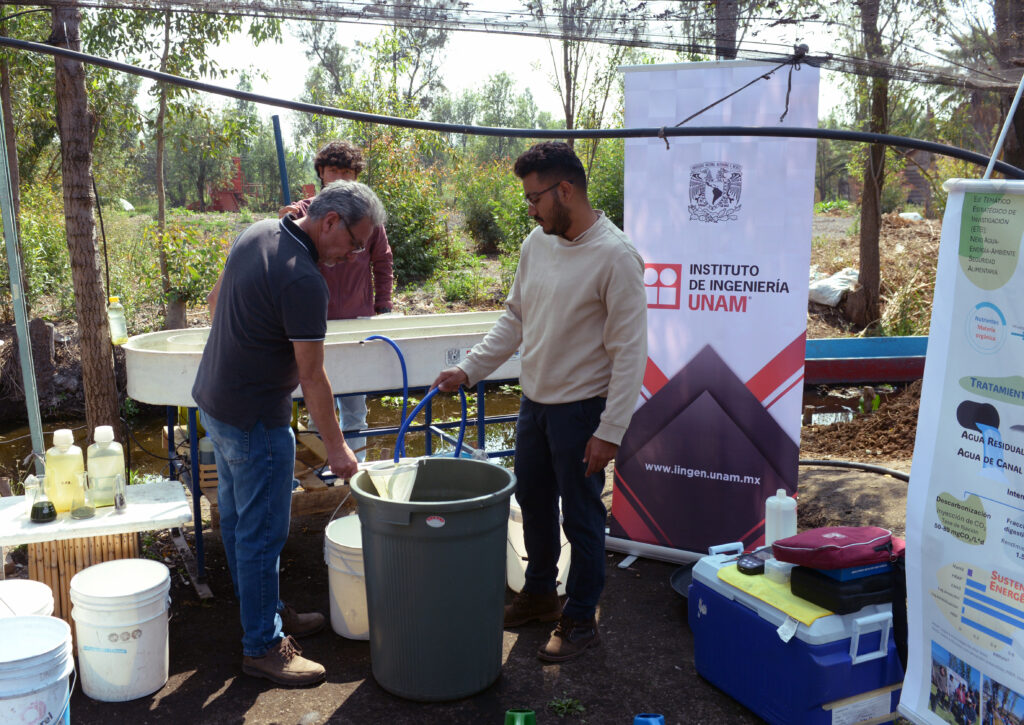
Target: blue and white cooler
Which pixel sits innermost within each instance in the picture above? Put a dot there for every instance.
(788, 660)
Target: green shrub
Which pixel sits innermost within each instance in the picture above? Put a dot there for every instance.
(416, 225)
(195, 258)
(490, 198)
(605, 180)
(823, 207)
(44, 248)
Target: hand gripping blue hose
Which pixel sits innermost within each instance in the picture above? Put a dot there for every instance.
(400, 443)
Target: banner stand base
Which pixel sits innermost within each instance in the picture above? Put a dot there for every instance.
(650, 551)
(910, 715)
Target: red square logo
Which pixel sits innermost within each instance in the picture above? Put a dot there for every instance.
(663, 283)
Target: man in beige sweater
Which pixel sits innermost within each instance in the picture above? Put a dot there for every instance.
(577, 312)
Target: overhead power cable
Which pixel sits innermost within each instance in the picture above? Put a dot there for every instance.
(651, 29)
(361, 117)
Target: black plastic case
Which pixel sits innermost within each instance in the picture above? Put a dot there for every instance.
(837, 596)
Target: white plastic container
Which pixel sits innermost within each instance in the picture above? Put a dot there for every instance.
(24, 597)
(35, 661)
(516, 558)
(63, 464)
(105, 460)
(120, 613)
(778, 571)
(343, 553)
(779, 517)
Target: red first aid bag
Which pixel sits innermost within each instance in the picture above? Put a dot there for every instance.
(839, 547)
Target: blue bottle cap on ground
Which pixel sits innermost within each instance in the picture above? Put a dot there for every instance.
(646, 718)
(520, 717)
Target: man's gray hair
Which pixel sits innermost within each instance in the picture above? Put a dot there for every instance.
(351, 201)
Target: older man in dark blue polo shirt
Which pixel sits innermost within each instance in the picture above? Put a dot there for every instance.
(267, 337)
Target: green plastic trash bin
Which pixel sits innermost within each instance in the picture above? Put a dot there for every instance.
(435, 578)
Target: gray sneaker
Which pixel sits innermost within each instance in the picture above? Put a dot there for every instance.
(301, 624)
(527, 607)
(284, 665)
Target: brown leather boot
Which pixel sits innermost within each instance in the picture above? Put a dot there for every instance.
(570, 638)
(300, 625)
(527, 607)
(284, 665)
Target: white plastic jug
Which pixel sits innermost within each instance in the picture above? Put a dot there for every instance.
(105, 460)
(779, 517)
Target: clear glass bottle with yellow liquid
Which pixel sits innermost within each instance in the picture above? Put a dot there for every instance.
(64, 463)
(117, 322)
(105, 458)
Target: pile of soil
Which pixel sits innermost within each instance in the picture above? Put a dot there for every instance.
(887, 433)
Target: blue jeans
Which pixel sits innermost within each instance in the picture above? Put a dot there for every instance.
(550, 442)
(351, 411)
(254, 495)
(352, 414)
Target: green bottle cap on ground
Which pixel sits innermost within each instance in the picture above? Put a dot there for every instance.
(520, 717)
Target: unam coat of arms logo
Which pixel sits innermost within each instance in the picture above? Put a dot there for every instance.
(715, 191)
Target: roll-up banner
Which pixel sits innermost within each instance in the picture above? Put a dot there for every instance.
(724, 227)
(965, 501)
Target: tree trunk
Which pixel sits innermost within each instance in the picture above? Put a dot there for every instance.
(862, 306)
(726, 22)
(75, 123)
(1009, 21)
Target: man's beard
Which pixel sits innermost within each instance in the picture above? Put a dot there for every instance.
(559, 221)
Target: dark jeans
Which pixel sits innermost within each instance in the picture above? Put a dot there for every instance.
(550, 442)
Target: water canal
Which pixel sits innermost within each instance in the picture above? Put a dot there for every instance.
(147, 454)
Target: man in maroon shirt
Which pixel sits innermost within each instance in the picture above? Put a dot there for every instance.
(360, 287)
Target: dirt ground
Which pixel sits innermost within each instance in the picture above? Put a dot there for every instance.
(645, 662)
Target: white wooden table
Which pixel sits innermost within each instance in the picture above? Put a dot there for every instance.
(59, 549)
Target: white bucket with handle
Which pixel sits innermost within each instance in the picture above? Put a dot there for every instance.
(19, 597)
(343, 553)
(120, 613)
(35, 661)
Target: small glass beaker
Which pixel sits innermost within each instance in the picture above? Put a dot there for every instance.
(82, 504)
(120, 494)
(40, 508)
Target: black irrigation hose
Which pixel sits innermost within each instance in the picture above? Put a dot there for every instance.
(870, 468)
(663, 133)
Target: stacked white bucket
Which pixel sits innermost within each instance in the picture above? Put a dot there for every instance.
(343, 553)
(36, 656)
(120, 613)
(516, 559)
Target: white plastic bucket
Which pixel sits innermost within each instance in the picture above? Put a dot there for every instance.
(343, 553)
(19, 597)
(35, 661)
(515, 566)
(120, 613)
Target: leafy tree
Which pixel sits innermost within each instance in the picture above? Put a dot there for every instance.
(421, 26)
(884, 30)
(583, 70)
(462, 109)
(1009, 22)
(174, 43)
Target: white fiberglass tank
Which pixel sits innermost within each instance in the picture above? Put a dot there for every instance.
(162, 366)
